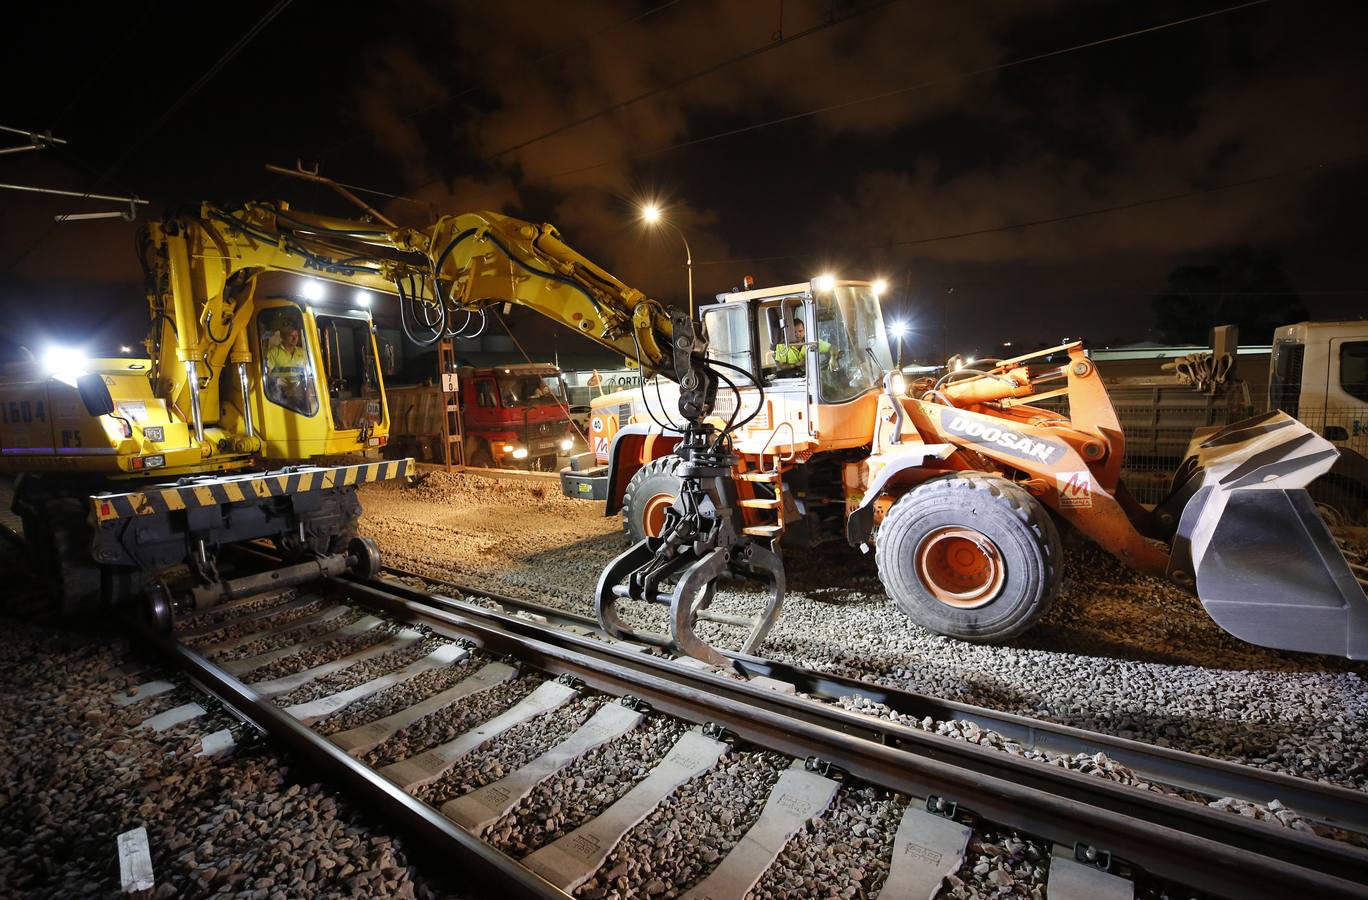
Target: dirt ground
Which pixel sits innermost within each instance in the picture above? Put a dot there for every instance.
(1118, 652)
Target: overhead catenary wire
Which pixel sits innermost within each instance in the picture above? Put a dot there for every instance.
(165, 117)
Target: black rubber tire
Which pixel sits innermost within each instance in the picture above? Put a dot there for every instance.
(480, 457)
(655, 478)
(1006, 514)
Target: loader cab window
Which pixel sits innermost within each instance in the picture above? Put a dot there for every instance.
(287, 367)
(729, 337)
(850, 323)
(353, 373)
(1354, 369)
(785, 335)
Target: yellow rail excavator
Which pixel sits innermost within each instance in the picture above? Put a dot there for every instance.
(774, 438)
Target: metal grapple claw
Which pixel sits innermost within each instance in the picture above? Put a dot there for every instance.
(698, 546)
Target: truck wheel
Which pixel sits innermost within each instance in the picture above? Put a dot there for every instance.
(651, 491)
(480, 457)
(970, 556)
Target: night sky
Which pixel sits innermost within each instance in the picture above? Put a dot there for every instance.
(902, 139)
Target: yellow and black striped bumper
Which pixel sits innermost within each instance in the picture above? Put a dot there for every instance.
(219, 490)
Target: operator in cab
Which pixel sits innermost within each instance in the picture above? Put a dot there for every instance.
(287, 365)
(789, 355)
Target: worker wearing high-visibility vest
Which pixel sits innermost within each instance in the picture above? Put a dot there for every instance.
(794, 354)
(287, 365)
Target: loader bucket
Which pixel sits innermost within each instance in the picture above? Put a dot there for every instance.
(1250, 541)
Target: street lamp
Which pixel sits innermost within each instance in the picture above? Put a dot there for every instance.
(651, 215)
(898, 329)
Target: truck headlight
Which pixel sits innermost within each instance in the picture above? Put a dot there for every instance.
(508, 448)
(567, 444)
(520, 453)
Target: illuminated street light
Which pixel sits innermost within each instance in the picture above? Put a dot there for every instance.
(898, 329)
(651, 215)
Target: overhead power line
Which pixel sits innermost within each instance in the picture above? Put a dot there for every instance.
(165, 117)
(907, 89)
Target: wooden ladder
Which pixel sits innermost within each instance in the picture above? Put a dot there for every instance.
(771, 530)
(453, 429)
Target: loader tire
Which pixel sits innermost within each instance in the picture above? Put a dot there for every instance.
(651, 491)
(970, 556)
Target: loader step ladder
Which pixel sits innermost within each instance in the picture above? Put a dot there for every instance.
(453, 430)
(762, 506)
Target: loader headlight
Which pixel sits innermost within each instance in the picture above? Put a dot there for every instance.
(567, 444)
(520, 453)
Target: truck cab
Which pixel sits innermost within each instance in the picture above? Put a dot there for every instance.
(515, 416)
(1318, 374)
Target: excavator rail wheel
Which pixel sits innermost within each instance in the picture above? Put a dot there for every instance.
(970, 556)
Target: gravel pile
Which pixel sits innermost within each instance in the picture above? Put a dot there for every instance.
(1118, 653)
(843, 853)
(687, 835)
(582, 790)
(511, 750)
(448, 723)
(75, 772)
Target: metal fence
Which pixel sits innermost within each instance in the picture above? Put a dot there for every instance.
(1158, 434)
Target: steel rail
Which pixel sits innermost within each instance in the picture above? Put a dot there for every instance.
(1325, 803)
(363, 784)
(1175, 840)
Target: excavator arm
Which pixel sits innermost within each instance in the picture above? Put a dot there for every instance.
(448, 278)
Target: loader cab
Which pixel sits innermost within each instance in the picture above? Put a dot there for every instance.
(319, 386)
(823, 339)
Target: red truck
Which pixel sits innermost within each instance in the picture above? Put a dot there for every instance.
(515, 417)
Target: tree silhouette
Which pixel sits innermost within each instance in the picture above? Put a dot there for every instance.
(1243, 287)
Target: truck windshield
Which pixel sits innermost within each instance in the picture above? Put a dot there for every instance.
(850, 321)
(529, 390)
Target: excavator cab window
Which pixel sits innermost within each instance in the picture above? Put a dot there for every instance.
(286, 365)
(353, 376)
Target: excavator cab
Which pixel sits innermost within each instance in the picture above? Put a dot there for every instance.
(321, 391)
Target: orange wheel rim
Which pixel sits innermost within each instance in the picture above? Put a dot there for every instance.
(653, 517)
(960, 566)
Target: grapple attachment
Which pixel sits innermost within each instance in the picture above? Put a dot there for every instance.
(697, 546)
(1248, 538)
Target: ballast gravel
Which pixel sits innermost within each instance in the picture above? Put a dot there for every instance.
(75, 772)
(445, 724)
(1119, 652)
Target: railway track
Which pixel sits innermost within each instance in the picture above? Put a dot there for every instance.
(554, 762)
(1184, 772)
